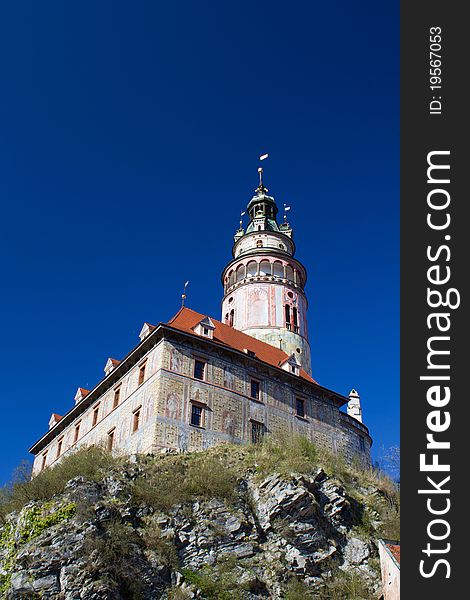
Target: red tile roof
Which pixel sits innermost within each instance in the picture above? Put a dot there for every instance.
(395, 550)
(114, 361)
(187, 319)
(83, 391)
(56, 416)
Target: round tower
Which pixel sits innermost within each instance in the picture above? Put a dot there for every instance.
(264, 284)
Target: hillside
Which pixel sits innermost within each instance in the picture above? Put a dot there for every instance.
(281, 520)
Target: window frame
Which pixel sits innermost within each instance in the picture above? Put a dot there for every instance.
(95, 415)
(142, 372)
(117, 395)
(202, 362)
(110, 439)
(200, 407)
(76, 432)
(60, 443)
(257, 398)
(136, 414)
(259, 428)
(302, 402)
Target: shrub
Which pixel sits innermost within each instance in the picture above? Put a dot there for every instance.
(90, 462)
(344, 585)
(108, 554)
(285, 454)
(179, 479)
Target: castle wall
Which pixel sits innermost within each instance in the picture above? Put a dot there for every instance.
(170, 389)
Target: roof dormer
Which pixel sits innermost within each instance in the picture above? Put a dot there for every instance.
(146, 330)
(55, 418)
(291, 364)
(205, 328)
(111, 364)
(81, 393)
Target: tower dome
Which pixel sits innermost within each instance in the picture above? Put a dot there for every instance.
(264, 284)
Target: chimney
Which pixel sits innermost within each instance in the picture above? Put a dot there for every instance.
(354, 405)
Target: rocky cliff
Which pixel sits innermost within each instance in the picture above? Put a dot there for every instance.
(269, 522)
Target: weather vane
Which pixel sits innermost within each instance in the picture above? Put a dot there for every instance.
(286, 208)
(183, 295)
(261, 187)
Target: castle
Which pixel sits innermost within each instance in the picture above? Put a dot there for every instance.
(194, 381)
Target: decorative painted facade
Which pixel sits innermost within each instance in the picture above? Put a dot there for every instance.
(194, 382)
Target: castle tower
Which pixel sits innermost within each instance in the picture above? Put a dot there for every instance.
(264, 284)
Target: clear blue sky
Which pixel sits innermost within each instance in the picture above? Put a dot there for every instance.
(129, 137)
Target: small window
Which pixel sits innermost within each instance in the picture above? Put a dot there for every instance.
(44, 461)
(257, 432)
(205, 331)
(142, 373)
(96, 412)
(300, 407)
(196, 415)
(76, 433)
(255, 389)
(362, 444)
(259, 243)
(199, 369)
(110, 440)
(287, 315)
(59, 446)
(136, 419)
(232, 317)
(117, 396)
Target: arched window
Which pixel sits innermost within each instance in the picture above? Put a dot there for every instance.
(240, 272)
(232, 317)
(278, 270)
(265, 267)
(231, 278)
(289, 273)
(287, 313)
(259, 244)
(295, 319)
(252, 269)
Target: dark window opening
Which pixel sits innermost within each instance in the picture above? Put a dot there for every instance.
(142, 373)
(76, 433)
(362, 444)
(296, 323)
(199, 368)
(117, 394)
(255, 389)
(59, 447)
(196, 415)
(232, 317)
(44, 461)
(257, 432)
(110, 441)
(300, 407)
(287, 310)
(96, 412)
(136, 420)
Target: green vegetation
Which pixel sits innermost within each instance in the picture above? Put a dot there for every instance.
(182, 478)
(33, 522)
(166, 481)
(219, 582)
(91, 463)
(344, 585)
(108, 550)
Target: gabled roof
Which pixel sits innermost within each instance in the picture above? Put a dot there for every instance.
(186, 319)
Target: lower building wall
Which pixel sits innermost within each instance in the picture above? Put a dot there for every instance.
(229, 414)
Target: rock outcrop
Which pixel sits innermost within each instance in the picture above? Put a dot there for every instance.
(278, 536)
